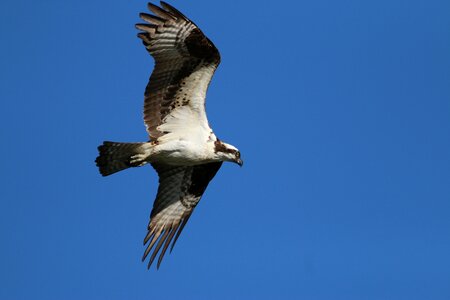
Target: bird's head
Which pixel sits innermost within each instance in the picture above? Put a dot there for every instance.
(227, 152)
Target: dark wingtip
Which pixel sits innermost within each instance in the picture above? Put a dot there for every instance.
(173, 10)
(165, 5)
(146, 27)
(159, 11)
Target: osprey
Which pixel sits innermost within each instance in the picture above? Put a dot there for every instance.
(182, 148)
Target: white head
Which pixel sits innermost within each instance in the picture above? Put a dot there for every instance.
(227, 152)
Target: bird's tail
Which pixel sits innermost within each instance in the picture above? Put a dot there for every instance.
(114, 157)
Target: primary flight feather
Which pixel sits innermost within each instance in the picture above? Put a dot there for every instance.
(182, 148)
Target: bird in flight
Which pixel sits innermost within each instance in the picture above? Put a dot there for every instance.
(182, 147)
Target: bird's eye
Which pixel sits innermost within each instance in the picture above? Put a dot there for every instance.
(238, 154)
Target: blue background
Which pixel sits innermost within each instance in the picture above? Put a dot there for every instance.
(341, 110)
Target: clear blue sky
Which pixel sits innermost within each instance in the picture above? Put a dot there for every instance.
(341, 110)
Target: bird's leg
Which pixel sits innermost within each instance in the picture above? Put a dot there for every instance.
(142, 157)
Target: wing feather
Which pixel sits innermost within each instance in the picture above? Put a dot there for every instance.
(151, 19)
(185, 61)
(158, 246)
(166, 244)
(174, 11)
(149, 28)
(180, 189)
(160, 12)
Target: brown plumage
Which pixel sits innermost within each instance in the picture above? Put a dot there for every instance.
(179, 48)
(183, 148)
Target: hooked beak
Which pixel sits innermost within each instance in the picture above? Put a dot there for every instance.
(240, 162)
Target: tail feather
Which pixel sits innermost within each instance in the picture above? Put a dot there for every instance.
(114, 157)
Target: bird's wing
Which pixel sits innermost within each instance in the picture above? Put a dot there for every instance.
(180, 189)
(185, 61)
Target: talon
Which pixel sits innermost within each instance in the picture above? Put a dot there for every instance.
(138, 159)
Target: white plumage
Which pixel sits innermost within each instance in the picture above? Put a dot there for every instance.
(183, 148)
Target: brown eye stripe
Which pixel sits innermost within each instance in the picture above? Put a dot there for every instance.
(220, 147)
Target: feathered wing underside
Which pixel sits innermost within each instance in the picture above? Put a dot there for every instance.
(185, 61)
(180, 189)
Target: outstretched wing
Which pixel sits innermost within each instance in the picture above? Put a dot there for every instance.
(185, 61)
(179, 191)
